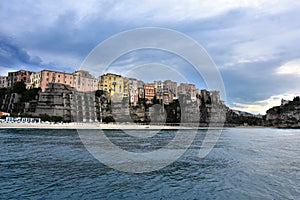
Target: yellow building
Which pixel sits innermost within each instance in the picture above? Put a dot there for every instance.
(113, 84)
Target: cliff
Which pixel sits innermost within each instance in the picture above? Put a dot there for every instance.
(63, 103)
(287, 115)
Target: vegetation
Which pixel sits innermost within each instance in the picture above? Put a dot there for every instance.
(30, 94)
(45, 117)
(18, 87)
(240, 120)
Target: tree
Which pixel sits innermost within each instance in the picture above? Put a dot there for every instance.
(18, 87)
(30, 94)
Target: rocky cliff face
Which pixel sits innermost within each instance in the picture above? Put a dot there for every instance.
(287, 115)
(68, 104)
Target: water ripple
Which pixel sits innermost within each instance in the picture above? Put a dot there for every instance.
(245, 164)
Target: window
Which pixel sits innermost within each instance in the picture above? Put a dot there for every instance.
(59, 81)
(58, 76)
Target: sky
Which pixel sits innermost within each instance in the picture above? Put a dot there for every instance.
(254, 44)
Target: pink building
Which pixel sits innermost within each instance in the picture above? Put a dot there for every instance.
(84, 81)
(80, 80)
(49, 76)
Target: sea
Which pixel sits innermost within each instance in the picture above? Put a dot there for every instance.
(244, 163)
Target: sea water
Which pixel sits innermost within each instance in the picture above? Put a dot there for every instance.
(244, 164)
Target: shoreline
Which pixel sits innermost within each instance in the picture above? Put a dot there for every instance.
(107, 126)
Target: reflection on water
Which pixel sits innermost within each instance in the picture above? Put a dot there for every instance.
(245, 164)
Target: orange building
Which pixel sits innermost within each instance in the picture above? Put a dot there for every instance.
(4, 114)
(149, 91)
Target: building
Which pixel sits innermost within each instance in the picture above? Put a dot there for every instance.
(126, 87)
(170, 91)
(35, 80)
(149, 91)
(141, 91)
(83, 81)
(3, 81)
(171, 87)
(21, 75)
(80, 80)
(50, 76)
(158, 85)
(188, 91)
(133, 91)
(4, 114)
(113, 85)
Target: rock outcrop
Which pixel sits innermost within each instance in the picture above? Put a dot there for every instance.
(287, 115)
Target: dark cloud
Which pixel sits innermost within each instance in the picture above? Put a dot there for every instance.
(247, 43)
(12, 56)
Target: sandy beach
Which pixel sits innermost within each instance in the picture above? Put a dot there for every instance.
(90, 126)
(105, 126)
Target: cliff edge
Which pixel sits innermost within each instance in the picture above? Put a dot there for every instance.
(287, 115)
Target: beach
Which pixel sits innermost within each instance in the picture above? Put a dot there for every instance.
(92, 126)
(108, 126)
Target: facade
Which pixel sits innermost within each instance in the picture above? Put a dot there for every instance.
(125, 87)
(21, 75)
(80, 80)
(35, 80)
(133, 91)
(49, 76)
(84, 81)
(170, 91)
(158, 85)
(188, 90)
(141, 92)
(171, 87)
(113, 85)
(83, 107)
(149, 91)
(3, 81)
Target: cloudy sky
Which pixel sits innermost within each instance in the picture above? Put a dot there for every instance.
(255, 45)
